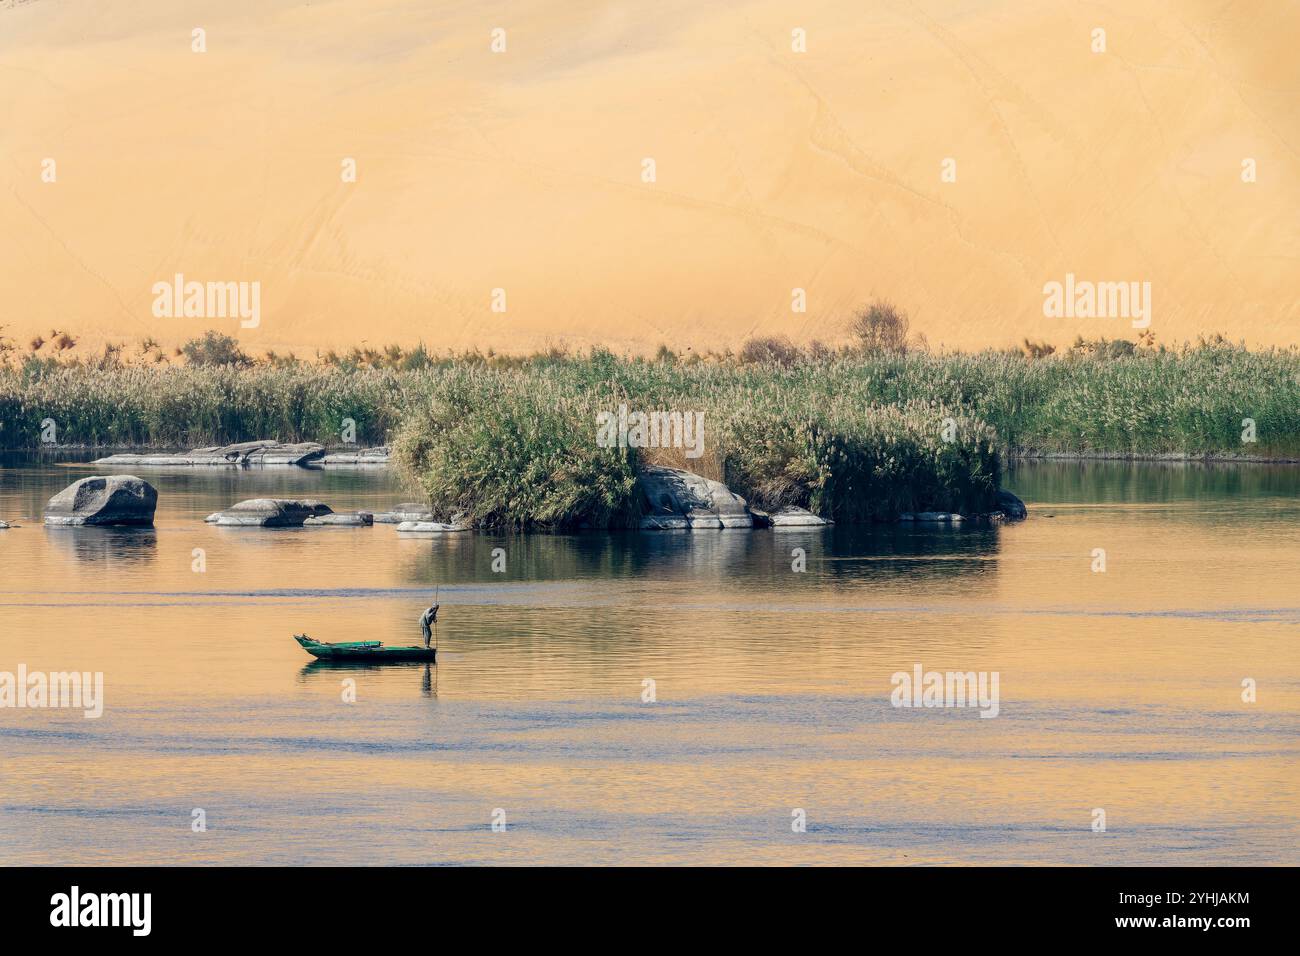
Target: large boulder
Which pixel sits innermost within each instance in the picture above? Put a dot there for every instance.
(269, 513)
(265, 452)
(1011, 506)
(100, 501)
(671, 493)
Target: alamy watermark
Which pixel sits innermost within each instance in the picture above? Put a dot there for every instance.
(624, 429)
(75, 908)
(923, 688)
(179, 299)
(1082, 299)
(75, 690)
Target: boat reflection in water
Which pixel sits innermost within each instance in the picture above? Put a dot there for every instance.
(428, 676)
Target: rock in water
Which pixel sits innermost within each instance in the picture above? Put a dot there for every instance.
(247, 453)
(378, 455)
(269, 513)
(663, 523)
(796, 517)
(698, 518)
(355, 519)
(101, 501)
(406, 511)
(1011, 506)
(431, 526)
(932, 517)
(671, 493)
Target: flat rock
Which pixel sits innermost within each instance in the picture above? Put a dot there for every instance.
(379, 455)
(737, 521)
(703, 519)
(407, 511)
(270, 513)
(932, 517)
(796, 517)
(430, 526)
(4, 525)
(355, 519)
(245, 454)
(104, 500)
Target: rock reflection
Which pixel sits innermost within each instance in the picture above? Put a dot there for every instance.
(110, 547)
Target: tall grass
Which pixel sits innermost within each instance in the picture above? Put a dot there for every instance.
(851, 437)
(518, 446)
(191, 406)
(509, 448)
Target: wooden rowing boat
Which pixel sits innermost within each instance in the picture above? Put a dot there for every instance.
(373, 652)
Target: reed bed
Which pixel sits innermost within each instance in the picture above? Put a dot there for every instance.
(853, 437)
(192, 406)
(518, 447)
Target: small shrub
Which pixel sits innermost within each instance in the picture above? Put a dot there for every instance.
(1038, 350)
(769, 350)
(665, 355)
(213, 348)
(880, 327)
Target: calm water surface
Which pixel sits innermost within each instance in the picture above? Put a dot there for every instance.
(1119, 691)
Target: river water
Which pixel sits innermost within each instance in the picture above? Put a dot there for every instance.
(1118, 691)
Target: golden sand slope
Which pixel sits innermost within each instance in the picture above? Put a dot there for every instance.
(522, 170)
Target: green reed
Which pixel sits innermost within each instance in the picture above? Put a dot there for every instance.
(512, 441)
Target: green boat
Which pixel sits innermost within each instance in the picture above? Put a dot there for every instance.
(370, 652)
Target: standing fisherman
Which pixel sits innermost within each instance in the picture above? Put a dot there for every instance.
(430, 616)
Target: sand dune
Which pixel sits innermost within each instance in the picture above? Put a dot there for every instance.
(522, 170)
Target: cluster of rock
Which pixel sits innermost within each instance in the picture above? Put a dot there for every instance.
(674, 500)
(252, 453)
(414, 516)
(1010, 508)
(286, 513)
(677, 500)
